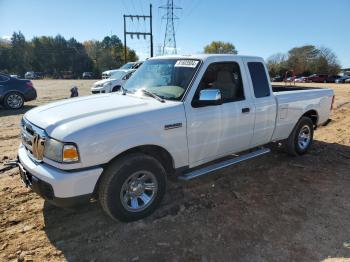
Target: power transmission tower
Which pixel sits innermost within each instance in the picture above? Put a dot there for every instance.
(138, 34)
(169, 46)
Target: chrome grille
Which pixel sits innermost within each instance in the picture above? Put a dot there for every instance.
(33, 138)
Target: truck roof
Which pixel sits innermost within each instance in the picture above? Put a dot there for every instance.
(205, 56)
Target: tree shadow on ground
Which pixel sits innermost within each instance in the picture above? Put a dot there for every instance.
(273, 208)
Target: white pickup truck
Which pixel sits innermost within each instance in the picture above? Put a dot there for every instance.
(175, 116)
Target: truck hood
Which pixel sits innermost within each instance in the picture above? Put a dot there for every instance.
(61, 118)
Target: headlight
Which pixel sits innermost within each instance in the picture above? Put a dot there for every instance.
(61, 152)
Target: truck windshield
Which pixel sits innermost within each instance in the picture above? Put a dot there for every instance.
(166, 78)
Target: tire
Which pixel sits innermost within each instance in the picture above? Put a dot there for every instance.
(122, 193)
(116, 88)
(300, 140)
(13, 100)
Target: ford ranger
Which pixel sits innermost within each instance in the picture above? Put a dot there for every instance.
(183, 116)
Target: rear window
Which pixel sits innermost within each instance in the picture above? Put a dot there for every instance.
(259, 78)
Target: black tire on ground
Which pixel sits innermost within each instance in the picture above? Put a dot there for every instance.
(300, 140)
(116, 88)
(119, 173)
(13, 100)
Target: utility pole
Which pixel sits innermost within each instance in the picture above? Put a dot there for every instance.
(169, 38)
(138, 34)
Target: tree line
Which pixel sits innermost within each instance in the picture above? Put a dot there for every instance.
(54, 55)
(304, 61)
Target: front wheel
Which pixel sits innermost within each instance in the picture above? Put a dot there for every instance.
(132, 187)
(300, 140)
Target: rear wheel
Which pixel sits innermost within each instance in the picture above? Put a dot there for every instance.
(132, 187)
(300, 140)
(13, 100)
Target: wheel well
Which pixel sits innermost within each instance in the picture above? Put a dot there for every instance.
(159, 153)
(312, 114)
(162, 155)
(116, 87)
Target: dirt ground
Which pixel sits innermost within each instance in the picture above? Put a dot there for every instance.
(274, 208)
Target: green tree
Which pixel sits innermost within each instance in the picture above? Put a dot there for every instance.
(20, 54)
(304, 60)
(52, 55)
(277, 64)
(220, 47)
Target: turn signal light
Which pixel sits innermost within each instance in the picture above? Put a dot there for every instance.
(70, 153)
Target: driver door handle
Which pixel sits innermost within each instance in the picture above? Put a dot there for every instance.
(245, 110)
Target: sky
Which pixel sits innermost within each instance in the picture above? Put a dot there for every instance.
(255, 27)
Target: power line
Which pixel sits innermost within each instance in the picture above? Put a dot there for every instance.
(138, 32)
(169, 46)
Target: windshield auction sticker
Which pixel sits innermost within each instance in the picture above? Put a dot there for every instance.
(186, 63)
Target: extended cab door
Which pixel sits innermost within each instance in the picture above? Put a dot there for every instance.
(218, 130)
(264, 101)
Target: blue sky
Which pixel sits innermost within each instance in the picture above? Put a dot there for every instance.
(255, 27)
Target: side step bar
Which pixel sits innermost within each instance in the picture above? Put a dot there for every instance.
(226, 163)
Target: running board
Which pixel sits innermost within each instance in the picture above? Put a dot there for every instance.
(226, 163)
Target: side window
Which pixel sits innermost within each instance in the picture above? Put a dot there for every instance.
(226, 77)
(259, 78)
(3, 78)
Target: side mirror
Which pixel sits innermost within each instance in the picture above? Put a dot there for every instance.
(209, 97)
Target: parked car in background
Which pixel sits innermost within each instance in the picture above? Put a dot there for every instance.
(108, 73)
(347, 81)
(14, 76)
(113, 83)
(14, 92)
(88, 75)
(137, 65)
(277, 79)
(342, 79)
(301, 79)
(332, 78)
(290, 79)
(39, 75)
(67, 75)
(29, 75)
(128, 65)
(33, 75)
(317, 78)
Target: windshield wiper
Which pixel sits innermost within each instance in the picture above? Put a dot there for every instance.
(153, 95)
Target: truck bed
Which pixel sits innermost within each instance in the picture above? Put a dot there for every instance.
(283, 88)
(293, 101)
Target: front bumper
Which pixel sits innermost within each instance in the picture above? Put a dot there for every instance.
(98, 90)
(62, 188)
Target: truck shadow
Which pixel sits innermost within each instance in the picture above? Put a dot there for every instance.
(273, 208)
(8, 112)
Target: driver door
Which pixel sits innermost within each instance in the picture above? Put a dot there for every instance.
(218, 130)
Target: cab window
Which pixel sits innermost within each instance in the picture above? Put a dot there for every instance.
(225, 76)
(259, 78)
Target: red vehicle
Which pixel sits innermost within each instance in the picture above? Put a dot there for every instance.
(317, 78)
